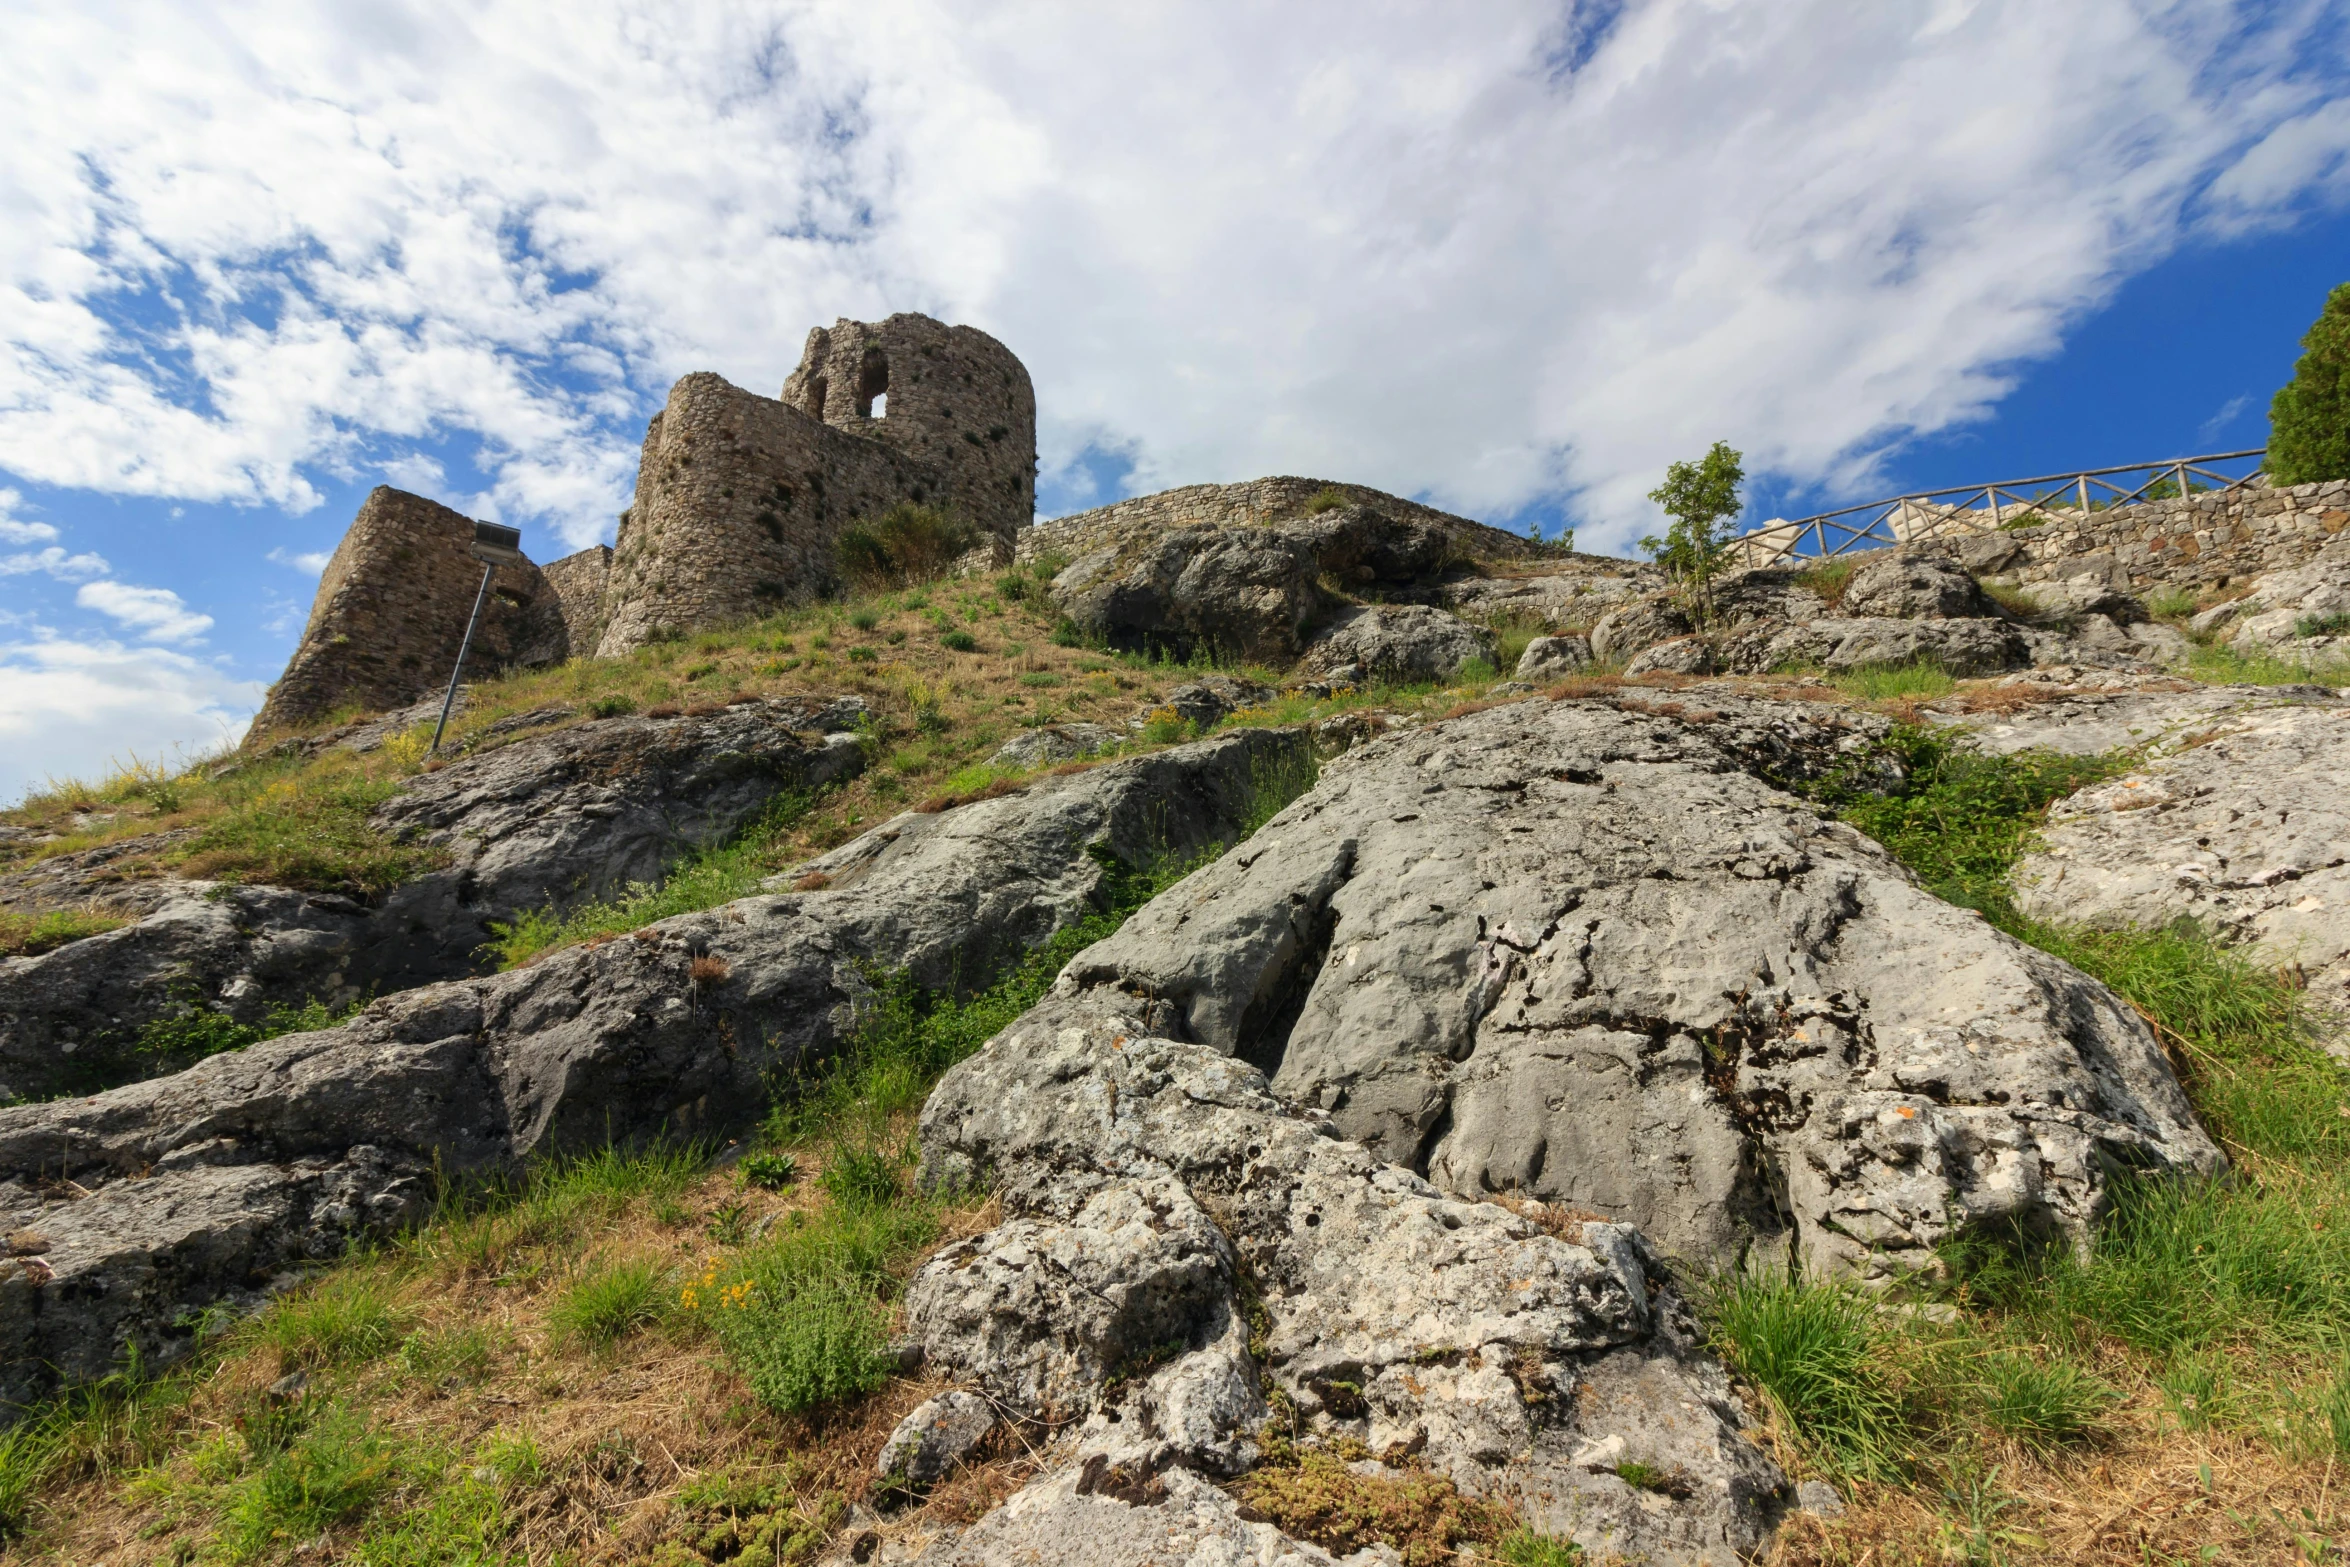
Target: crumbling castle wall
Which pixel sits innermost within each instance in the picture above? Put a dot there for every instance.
(953, 397)
(578, 582)
(391, 612)
(739, 497)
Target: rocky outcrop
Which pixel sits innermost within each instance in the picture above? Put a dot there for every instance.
(1050, 743)
(1575, 951)
(545, 822)
(1401, 644)
(2285, 606)
(1179, 1244)
(1245, 570)
(391, 611)
(1836, 643)
(1624, 632)
(1551, 658)
(2244, 827)
(218, 1178)
(1912, 585)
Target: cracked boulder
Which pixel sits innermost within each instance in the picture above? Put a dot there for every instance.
(1843, 642)
(2242, 825)
(1179, 1244)
(1901, 584)
(197, 1177)
(1578, 951)
(1400, 643)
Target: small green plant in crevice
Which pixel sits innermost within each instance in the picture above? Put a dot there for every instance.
(2170, 604)
(1828, 579)
(193, 1031)
(1525, 1548)
(2333, 625)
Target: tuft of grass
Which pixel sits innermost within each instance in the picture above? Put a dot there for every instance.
(1525, 1548)
(958, 641)
(29, 1451)
(331, 1474)
(609, 1301)
(2042, 1405)
(770, 1171)
(30, 935)
(346, 1318)
(1915, 680)
(2016, 599)
(1819, 1351)
(1828, 580)
(2170, 604)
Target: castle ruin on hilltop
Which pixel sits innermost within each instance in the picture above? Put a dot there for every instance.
(739, 499)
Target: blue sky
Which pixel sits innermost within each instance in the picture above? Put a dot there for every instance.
(1512, 259)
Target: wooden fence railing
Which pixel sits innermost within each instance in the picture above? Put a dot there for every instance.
(1968, 509)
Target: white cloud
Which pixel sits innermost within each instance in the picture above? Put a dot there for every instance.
(311, 561)
(81, 708)
(1398, 244)
(55, 562)
(14, 529)
(158, 614)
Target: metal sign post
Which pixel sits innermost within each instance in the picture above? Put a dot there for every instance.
(493, 546)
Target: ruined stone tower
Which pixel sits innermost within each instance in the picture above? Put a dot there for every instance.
(391, 611)
(740, 497)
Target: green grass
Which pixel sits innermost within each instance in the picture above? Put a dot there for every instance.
(717, 875)
(1822, 1354)
(2333, 625)
(2225, 664)
(609, 1301)
(193, 1032)
(330, 1474)
(2171, 604)
(344, 1319)
(1525, 1548)
(314, 836)
(1916, 679)
(1829, 579)
(30, 935)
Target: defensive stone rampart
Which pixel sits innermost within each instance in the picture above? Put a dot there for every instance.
(391, 612)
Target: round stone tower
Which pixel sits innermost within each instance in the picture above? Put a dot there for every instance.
(951, 397)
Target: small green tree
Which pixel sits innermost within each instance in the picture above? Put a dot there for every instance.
(2309, 418)
(1701, 497)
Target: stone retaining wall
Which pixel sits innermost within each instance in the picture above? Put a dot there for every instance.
(2193, 544)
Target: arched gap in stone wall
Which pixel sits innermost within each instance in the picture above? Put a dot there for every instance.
(816, 390)
(872, 382)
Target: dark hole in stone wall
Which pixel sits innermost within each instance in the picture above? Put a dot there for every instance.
(872, 382)
(816, 390)
(1263, 1036)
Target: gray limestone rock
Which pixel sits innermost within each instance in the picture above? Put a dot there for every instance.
(1905, 584)
(2091, 593)
(545, 821)
(1962, 647)
(1551, 658)
(2274, 613)
(1624, 632)
(1676, 656)
(1524, 1360)
(1743, 1026)
(1100, 1516)
(669, 1030)
(930, 1442)
(1397, 642)
(2244, 826)
(1575, 595)
(1050, 743)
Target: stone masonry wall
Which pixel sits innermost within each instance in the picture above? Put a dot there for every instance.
(391, 611)
(2199, 542)
(1257, 500)
(578, 581)
(956, 400)
(738, 500)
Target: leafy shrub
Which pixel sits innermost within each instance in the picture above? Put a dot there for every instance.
(864, 619)
(1327, 498)
(2334, 625)
(194, 1032)
(959, 641)
(905, 544)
